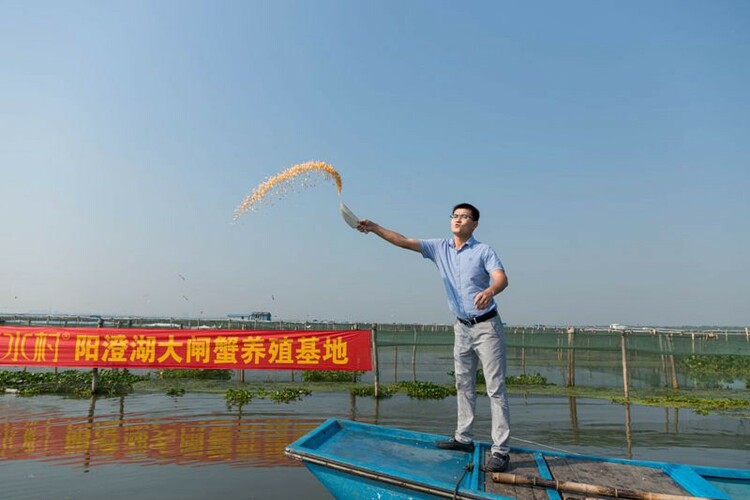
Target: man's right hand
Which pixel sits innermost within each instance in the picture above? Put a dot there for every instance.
(366, 226)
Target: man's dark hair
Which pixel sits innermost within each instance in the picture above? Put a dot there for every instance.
(469, 206)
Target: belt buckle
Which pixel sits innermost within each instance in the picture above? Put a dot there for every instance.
(468, 322)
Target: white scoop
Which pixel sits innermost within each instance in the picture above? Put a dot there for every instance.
(348, 216)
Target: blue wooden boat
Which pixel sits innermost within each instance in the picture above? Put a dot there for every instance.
(354, 460)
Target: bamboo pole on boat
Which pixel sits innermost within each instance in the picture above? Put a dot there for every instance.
(375, 367)
(595, 489)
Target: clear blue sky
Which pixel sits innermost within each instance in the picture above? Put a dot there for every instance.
(606, 143)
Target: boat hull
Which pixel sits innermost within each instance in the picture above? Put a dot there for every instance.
(346, 485)
(363, 461)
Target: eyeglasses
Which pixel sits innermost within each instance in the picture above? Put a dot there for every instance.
(462, 217)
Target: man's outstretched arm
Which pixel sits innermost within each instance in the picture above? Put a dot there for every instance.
(367, 226)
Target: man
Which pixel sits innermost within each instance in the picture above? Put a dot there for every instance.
(473, 275)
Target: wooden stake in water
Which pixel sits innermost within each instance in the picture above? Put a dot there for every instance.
(375, 361)
(571, 377)
(624, 349)
(95, 371)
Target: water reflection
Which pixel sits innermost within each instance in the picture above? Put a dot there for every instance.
(102, 440)
(152, 438)
(628, 432)
(573, 417)
(575, 432)
(675, 420)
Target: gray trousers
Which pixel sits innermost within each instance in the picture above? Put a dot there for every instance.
(485, 343)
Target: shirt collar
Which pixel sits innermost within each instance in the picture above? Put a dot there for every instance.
(469, 243)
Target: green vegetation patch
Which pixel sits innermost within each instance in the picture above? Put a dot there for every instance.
(426, 390)
(721, 368)
(527, 380)
(522, 379)
(241, 397)
(331, 376)
(384, 391)
(429, 390)
(701, 406)
(286, 395)
(415, 390)
(70, 382)
(238, 397)
(195, 374)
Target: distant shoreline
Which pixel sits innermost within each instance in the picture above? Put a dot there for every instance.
(239, 322)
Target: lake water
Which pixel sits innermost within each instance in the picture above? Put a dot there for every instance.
(152, 446)
(194, 447)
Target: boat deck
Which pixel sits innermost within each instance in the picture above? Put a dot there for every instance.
(362, 461)
(613, 475)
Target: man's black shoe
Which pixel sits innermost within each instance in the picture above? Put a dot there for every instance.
(497, 463)
(452, 444)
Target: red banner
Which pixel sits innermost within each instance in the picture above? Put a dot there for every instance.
(218, 349)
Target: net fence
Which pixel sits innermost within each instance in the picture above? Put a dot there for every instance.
(591, 356)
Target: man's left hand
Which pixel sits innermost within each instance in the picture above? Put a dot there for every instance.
(483, 299)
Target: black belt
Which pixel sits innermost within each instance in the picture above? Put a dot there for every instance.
(479, 319)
